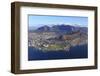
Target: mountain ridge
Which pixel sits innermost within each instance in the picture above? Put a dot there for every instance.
(59, 28)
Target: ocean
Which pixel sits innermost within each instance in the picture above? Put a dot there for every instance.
(76, 52)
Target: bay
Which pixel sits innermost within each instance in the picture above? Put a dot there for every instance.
(76, 52)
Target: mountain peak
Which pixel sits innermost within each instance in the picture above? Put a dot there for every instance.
(61, 28)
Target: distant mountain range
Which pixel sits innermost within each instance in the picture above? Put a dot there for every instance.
(60, 28)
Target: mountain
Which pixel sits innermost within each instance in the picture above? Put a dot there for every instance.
(57, 37)
(56, 28)
(43, 28)
(61, 29)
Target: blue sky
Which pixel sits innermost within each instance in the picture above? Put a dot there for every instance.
(37, 20)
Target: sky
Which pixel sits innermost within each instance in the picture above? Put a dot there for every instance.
(37, 20)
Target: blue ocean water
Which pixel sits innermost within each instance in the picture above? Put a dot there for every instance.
(74, 53)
